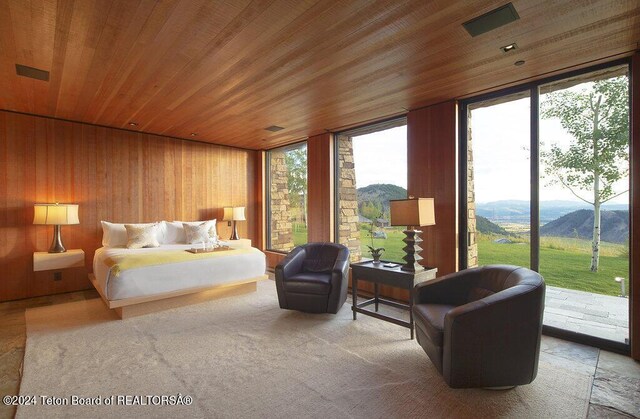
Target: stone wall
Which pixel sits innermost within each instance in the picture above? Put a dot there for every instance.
(347, 218)
(472, 249)
(281, 228)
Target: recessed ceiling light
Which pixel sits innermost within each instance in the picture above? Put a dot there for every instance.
(509, 47)
(193, 134)
(133, 124)
(519, 62)
(274, 128)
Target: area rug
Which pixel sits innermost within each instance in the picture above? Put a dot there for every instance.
(244, 357)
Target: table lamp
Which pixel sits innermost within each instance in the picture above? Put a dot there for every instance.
(234, 214)
(412, 212)
(56, 215)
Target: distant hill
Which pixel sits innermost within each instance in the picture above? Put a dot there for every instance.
(483, 225)
(516, 211)
(379, 194)
(614, 226)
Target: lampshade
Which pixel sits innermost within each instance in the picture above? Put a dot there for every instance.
(228, 214)
(413, 212)
(55, 214)
(238, 214)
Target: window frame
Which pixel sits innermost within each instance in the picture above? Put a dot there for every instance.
(364, 129)
(268, 152)
(534, 141)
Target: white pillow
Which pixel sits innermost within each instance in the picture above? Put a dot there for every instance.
(196, 233)
(172, 232)
(139, 236)
(175, 225)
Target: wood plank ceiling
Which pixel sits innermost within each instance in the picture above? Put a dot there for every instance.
(225, 70)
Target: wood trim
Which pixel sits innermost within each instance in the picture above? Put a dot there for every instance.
(432, 173)
(634, 240)
(320, 173)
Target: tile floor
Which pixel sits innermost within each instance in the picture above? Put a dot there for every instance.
(615, 392)
(598, 315)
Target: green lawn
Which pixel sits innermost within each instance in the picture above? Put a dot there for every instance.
(564, 266)
(564, 262)
(299, 234)
(393, 244)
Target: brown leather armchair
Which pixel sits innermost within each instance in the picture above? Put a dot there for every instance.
(314, 278)
(481, 327)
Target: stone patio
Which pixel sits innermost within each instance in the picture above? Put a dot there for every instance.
(598, 315)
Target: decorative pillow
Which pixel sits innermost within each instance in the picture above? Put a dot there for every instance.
(211, 228)
(197, 233)
(141, 236)
(114, 234)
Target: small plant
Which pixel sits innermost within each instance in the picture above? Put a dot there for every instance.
(376, 253)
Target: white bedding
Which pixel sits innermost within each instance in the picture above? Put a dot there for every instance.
(150, 280)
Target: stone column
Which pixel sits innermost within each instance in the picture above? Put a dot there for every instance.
(472, 249)
(347, 217)
(281, 228)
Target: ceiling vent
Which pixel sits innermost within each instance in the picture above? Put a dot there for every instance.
(33, 73)
(491, 20)
(274, 128)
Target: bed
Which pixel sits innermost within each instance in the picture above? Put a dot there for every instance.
(139, 281)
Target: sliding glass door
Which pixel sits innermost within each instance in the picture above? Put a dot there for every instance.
(547, 186)
(584, 202)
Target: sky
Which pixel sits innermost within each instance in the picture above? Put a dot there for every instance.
(501, 155)
(381, 157)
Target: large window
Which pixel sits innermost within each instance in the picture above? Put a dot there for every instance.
(287, 197)
(500, 223)
(371, 169)
(548, 187)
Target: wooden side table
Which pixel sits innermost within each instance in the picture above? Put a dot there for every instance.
(395, 277)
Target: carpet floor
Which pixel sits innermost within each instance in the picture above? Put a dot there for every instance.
(244, 357)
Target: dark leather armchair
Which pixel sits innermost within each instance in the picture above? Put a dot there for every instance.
(313, 278)
(481, 327)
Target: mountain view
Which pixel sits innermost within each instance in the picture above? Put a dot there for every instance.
(559, 218)
(376, 198)
(485, 226)
(515, 211)
(579, 224)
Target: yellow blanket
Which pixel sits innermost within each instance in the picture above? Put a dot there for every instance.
(119, 263)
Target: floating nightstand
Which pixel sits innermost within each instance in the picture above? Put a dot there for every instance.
(44, 261)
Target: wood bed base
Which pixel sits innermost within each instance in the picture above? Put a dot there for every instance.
(137, 306)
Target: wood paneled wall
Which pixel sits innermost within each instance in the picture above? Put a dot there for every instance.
(432, 173)
(114, 175)
(320, 163)
(634, 329)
